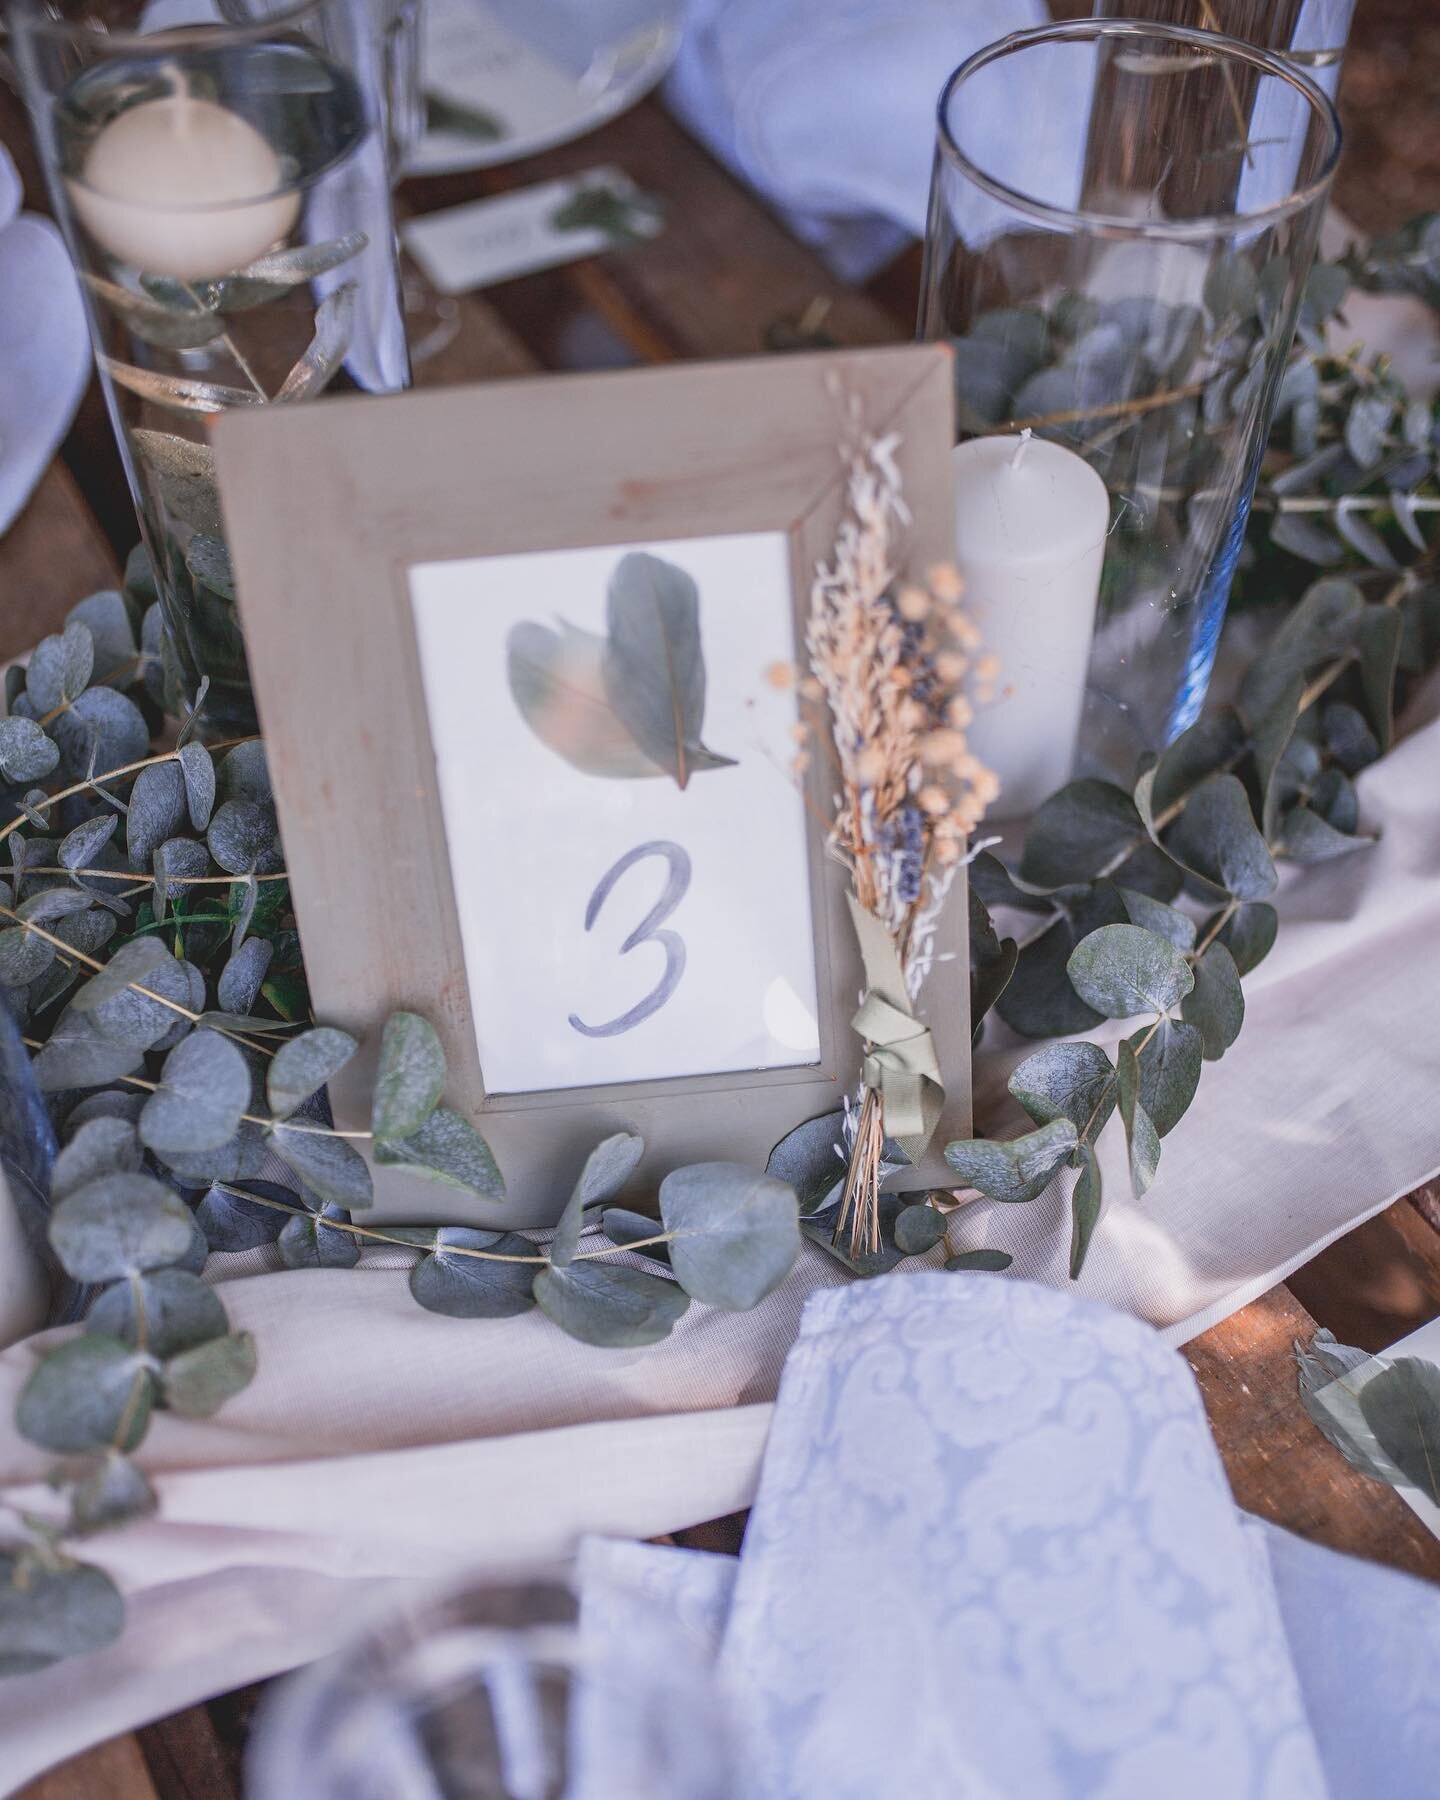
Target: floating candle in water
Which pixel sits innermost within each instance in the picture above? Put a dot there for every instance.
(183, 187)
(1030, 526)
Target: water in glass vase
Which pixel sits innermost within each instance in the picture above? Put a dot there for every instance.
(230, 217)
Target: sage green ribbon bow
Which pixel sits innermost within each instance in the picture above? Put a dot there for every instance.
(900, 1061)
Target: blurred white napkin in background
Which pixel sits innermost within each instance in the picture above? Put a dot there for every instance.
(828, 106)
(44, 345)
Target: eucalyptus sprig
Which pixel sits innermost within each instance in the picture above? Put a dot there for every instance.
(147, 947)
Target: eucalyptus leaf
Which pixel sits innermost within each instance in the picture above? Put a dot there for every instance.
(244, 839)
(204, 1088)
(174, 863)
(167, 327)
(49, 1612)
(1332, 1399)
(302, 1066)
(920, 1228)
(184, 474)
(1216, 1005)
(1348, 737)
(103, 729)
(197, 771)
(1307, 837)
(157, 810)
(243, 774)
(78, 1055)
(112, 1491)
(23, 956)
(328, 1166)
(277, 271)
(607, 1168)
(1085, 830)
(1170, 1059)
(120, 1223)
(1249, 935)
(53, 904)
(735, 1233)
(240, 981)
(992, 963)
(180, 393)
(89, 1393)
(979, 1262)
(80, 847)
(654, 667)
(199, 1381)
(327, 349)
(811, 1160)
(240, 1160)
(1141, 1137)
(1084, 1209)
(410, 1078)
(26, 754)
(99, 1147)
(1376, 633)
(59, 668)
(1018, 1170)
(1154, 915)
(1401, 1405)
(1039, 1001)
(162, 1313)
(820, 1229)
(1073, 1081)
(472, 1287)
(609, 1305)
(447, 1148)
(632, 1231)
(311, 1243)
(1121, 970)
(231, 1220)
(1217, 839)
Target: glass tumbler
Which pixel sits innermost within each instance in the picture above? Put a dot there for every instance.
(1122, 220)
(219, 169)
(501, 1690)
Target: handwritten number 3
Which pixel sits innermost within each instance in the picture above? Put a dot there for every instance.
(649, 931)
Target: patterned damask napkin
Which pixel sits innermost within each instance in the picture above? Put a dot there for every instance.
(994, 1553)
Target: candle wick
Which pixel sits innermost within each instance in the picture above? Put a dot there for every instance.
(1021, 447)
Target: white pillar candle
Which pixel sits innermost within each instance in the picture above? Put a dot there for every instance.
(1030, 526)
(183, 187)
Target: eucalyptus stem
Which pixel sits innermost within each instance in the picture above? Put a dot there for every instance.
(71, 954)
(384, 1237)
(90, 781)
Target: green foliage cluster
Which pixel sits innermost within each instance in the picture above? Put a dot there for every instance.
(148, 950)
(1151, 904)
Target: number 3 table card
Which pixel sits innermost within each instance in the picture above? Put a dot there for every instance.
(515, 652)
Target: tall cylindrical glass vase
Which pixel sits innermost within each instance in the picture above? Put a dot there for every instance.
(223, 188)
(1122, 221)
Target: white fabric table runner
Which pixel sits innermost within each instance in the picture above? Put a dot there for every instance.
(380, 1441)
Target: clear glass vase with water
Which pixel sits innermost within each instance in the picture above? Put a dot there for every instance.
(224, 189)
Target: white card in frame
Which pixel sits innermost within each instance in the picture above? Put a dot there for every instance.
(532, 766)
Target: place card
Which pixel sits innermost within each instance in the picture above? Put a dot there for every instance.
(486, 241)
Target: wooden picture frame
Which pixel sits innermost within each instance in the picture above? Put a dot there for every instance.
(330, 509)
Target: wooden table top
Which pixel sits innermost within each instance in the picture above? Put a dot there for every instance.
(724, 278)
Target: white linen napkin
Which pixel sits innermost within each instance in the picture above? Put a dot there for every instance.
(44, 345)
(994, 1552)
(828, 106)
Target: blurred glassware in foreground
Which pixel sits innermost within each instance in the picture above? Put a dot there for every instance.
(1122, 222)
(220, 174)
(497, 1691)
